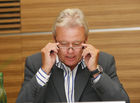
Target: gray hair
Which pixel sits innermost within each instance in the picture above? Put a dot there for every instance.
(69, 18)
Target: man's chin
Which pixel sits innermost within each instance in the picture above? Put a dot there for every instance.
(71, 65)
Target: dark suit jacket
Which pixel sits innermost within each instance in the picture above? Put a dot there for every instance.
(108, 88)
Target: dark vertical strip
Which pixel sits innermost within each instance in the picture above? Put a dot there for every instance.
(9, 20)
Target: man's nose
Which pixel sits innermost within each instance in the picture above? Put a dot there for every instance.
(70, 50)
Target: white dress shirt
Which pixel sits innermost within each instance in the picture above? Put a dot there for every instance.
(69, 78)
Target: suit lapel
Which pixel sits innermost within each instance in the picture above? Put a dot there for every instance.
(58, 81)
(81, 80)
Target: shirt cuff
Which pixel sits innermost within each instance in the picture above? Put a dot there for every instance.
(42, 77)
(97, 78)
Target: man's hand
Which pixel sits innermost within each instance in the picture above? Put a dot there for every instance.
(90, 55)
(49, 53)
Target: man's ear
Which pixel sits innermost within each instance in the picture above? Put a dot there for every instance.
(86, 39)
(54, 38)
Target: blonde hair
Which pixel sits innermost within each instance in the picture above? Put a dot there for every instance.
(69, 18)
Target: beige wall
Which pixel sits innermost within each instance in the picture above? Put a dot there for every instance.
(123, 45)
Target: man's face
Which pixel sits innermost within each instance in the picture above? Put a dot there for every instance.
(70, 40)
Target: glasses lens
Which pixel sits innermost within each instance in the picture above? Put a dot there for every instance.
(66, 45)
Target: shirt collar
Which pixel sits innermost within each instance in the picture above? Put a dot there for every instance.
(61, 65)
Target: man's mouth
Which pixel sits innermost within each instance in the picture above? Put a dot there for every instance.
(70, 57)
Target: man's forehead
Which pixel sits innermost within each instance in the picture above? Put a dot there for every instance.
(68, 27)
(72, 34)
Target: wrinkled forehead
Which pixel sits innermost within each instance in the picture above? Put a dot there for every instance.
(70, 33)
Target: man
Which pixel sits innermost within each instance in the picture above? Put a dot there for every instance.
(70, 70)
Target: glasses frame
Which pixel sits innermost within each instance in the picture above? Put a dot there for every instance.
(70, 47)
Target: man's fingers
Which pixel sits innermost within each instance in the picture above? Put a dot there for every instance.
(84, 45)
(85, 53)
(51, 47)
(54, 51)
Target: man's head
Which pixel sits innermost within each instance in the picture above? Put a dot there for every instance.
(70, 30)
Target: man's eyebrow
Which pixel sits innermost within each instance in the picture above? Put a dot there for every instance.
(77, 41)
(63, 42)
(69, 42)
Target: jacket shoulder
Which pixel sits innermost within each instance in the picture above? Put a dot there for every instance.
(104, 55)
(35, 56)
(35, 60)
(105, 59)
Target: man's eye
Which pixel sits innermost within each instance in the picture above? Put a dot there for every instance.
(76, 44)
(64, 44)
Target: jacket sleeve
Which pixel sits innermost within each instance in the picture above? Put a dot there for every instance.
(30, 87)
(108, 87)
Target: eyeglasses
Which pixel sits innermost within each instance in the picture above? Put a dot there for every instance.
(66, 45)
